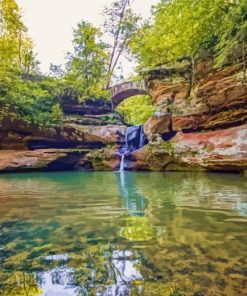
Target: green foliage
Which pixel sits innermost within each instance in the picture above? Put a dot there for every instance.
(189, 27)
(16, 48)
(29, 100)
(136, 110)
(23, 92)
(234, 32)
(87, 66)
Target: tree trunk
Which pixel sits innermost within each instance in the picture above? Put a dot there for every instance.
(110, 70)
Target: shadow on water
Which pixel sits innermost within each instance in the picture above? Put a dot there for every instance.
(123, 234)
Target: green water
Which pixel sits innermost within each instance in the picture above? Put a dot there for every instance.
(76, 233)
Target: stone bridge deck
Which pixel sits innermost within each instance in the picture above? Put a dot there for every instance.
(125, 90)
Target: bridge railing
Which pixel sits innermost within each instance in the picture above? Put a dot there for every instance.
(138, 84)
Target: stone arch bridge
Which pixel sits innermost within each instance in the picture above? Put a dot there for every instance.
(121, 92)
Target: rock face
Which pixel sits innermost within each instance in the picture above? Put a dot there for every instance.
(58, 159)
(87, 139)
(16, 135)
(200, 119)
(71, 105)
(158, 124)
(90, 124)
(221, 150)
(204, 90)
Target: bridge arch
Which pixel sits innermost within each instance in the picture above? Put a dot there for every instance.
(125, 90)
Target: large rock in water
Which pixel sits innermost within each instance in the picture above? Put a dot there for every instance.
(222, 150)
(59, 159)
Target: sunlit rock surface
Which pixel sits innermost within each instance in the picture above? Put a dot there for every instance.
(222, 150)
(201, 117)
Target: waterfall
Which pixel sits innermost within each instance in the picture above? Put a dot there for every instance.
(135, 139)
(122, 162)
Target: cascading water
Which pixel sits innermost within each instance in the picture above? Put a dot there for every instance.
(134, 140)
(122, 162)
(123, 152)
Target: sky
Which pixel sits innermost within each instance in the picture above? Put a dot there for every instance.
(50, 24)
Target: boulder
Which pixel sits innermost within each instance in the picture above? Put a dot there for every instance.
(101, 160)
(157, 124)
(149, 158)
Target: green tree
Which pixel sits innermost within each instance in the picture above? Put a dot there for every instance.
(120, 24)
(16, 48)
(136, 110)
(188, 28)
(86, 68)
(24, 93)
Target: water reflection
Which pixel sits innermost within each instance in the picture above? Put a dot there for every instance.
(133, 198)
(121, 234)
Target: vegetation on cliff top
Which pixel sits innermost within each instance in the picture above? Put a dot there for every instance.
(188, 28)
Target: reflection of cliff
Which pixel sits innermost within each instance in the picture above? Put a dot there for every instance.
(49, 195)
(193, 190)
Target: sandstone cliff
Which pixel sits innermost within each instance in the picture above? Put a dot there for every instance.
(200, 122)
(88, 131)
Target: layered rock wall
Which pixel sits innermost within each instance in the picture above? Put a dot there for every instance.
(88, 138)
(200, 121)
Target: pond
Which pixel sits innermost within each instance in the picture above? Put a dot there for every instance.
(76, 233)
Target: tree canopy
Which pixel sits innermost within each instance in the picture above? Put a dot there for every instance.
(87, 65)
(16, 47)
(186, 28)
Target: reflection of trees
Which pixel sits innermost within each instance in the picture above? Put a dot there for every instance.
(82, 267)
(208, 191)
(137, 229)
(195, 245)
(20, 284)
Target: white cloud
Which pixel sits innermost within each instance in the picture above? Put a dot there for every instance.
(50, 24)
